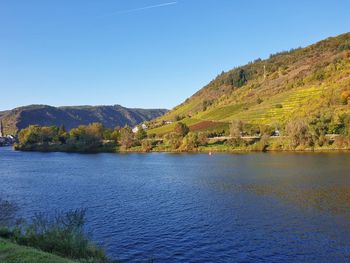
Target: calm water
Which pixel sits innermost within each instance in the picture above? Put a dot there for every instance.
(194, 207)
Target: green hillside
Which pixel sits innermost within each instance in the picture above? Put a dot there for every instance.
(12, 253)
(71, 117)
(302, 82)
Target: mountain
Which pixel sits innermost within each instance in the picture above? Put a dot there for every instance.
(299, 83)
(73, 116)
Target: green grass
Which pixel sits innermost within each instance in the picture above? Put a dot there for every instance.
(12, 253)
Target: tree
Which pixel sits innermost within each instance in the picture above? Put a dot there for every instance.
(62, 134)
(29, 135)
(126, 137)
(190, 142)
(147, 145)
(115, 136)
(95, 130)
(173, 140)
(298, 133)
(140, 134)
(107, 134)
(345, 97)
(87, 134)
(344, 124)
(202, 138)
(236, 128)
(181, 129)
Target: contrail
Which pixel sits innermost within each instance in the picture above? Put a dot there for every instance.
(143, 8)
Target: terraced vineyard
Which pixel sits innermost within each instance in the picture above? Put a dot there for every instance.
(300, 82)
(278, 108)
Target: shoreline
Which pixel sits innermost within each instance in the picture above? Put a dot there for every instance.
(199, 150)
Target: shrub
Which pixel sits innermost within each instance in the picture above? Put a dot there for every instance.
(236, 128)
(236, 142)
(181, 129)
(126, 137)
(203, 138)
(147, 145)
(298, 133)
(173, 140)
(344, 97)
(190, 142)
(279, 106)
(140, 135)
(262, 144)
(61, 234)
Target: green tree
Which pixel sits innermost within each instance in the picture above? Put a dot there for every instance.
(115, 136)
(344, 124)
(173, 140)
(107, 134)
(140, 134)
(190, 142)
(62, 134)
(91, 134)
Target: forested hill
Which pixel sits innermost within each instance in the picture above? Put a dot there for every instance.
(300, 83)
(70, 117)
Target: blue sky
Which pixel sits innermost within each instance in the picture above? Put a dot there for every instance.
(144, 53)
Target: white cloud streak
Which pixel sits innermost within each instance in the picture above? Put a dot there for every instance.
(142, 8)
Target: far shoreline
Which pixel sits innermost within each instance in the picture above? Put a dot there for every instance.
(203, 150)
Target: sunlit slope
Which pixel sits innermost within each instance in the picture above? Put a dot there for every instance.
(288, 84)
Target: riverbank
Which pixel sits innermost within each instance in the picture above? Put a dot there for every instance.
(217, 147)
(11, 252)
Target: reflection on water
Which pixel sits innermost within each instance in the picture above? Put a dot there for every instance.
(332, 199)
(195, 207)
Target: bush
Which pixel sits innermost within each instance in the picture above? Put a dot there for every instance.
(236, 142)
(147, 145)
(298, 133)
(61, 234)
(126, 137)
(236, 128)
(279, 106)
(181, 129)
(172, 140)
(203, 138)
(190, 142)
(262, 144)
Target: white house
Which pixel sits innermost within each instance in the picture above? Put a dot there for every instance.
(136, 128)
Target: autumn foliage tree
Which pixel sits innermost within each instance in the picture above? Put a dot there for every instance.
(126, 137)
(181, 129)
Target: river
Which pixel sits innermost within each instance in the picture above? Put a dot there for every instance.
(256, 207)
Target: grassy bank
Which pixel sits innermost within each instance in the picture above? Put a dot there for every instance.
(12, 253)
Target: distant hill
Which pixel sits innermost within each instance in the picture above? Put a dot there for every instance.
(73, 116)
(302, 82)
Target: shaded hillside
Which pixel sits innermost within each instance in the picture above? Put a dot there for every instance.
(70, 117)
(302, 82)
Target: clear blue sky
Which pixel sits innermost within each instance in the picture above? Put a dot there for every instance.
(145, 53)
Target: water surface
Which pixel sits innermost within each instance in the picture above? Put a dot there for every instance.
(194, 207)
